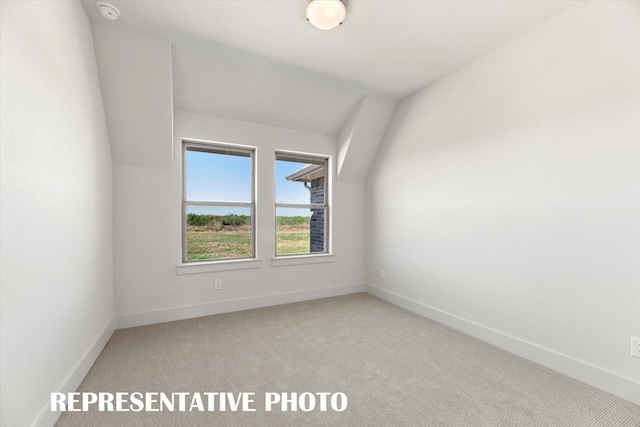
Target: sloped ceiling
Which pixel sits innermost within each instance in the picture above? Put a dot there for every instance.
(260, 61)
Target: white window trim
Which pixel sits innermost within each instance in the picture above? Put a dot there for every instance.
(310, 257)
(220, 265)
(300, 259)
(224, 263)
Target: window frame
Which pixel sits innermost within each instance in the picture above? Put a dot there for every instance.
(325, 160)
(219, 148)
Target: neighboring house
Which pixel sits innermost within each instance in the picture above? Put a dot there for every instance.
(313, 178)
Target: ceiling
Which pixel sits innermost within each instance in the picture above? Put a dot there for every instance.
(260, 61)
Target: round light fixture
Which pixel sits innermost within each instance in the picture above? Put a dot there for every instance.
(107, 10)
(326, 14)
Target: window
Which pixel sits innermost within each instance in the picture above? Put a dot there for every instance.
(218, 203)
(302, 208)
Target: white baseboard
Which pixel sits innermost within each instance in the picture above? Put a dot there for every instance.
(625, 388)
(218, 307)
(48, 418)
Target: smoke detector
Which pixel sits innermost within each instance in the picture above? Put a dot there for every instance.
(107, 10)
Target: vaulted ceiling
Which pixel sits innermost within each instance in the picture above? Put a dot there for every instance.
(260, 61)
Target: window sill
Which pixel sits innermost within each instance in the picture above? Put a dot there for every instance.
(302, 259)
(205, 267)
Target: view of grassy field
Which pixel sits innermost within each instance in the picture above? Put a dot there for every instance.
(228, 239)
(204, 242)
(293, 239)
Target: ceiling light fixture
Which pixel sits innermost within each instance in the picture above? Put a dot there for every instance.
(326, 14)
(107, 10)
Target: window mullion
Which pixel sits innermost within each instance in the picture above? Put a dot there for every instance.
(301, 205)
(312, 172)
(216, 203)
(217, 229)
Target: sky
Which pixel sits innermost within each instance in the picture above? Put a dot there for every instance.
(222, 177)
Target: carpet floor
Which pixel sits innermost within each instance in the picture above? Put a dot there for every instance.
(396, 369)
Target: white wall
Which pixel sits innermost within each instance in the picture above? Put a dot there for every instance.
(137, 90)
(56, 222)
(505, 200)
(359, 140)
(147, 218)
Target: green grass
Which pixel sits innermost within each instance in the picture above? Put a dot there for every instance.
(235, 242)
(293, 239)
(205, 243)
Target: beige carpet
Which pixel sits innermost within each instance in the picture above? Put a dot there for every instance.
(396, 368)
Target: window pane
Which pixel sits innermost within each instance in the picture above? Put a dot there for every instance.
(299, 231)
(217, 177)
(218, 232)
(299, 182)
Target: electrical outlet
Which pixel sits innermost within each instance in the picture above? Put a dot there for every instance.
(217, 285)
(635, 347)
(383, 274)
